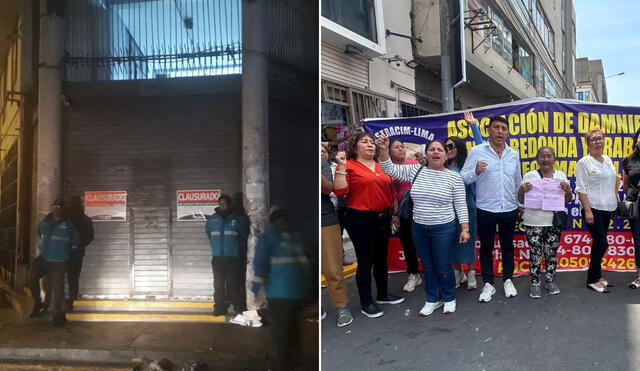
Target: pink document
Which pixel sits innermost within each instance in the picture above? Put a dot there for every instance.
(546, 194)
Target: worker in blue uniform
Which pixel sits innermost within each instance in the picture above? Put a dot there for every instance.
(227, 232)
(287, 270)
(58, 237)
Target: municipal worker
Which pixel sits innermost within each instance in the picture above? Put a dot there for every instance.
(285, 267)
(227, 232)
(58, 237)
(84, 226)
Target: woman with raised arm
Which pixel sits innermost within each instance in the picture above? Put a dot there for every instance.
(438, 196)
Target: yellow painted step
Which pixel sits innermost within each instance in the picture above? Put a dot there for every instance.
(142, 317)
(143, 306)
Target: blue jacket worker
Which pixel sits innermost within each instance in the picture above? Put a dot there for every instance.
(227, 232)
(58, 237)
(285, 267)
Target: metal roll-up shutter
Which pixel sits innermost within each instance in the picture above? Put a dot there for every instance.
(340, 67)
(151, 147)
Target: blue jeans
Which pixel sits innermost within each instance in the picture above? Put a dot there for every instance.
(436, 245)
(635, 232)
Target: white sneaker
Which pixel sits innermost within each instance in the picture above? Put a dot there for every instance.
(413, 281)
(509, 289)
(428, 308)
(460, 277)
(487, 292)
(472, 284)
(449, 307)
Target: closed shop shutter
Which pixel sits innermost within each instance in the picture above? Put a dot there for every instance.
(340, 67)
(151, 147)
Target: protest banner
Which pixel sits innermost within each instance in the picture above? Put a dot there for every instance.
(535, 123)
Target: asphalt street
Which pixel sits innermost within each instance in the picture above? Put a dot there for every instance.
(577, 329)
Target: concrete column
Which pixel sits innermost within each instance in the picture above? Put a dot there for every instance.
(255, 124)
(445, 57)
(50, 74)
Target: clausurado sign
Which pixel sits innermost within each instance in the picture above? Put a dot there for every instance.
(106, 206)
(534, 123)
(196, 205)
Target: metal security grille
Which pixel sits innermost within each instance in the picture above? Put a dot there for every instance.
(151, 39)
(293, 42)
(409, 110)
(8, 200)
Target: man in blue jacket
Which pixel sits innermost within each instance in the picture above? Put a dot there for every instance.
(288, 271)
(58, 237)
(227, 232)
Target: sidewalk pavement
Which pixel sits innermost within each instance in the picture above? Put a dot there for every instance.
(578, 329)
(222, 346)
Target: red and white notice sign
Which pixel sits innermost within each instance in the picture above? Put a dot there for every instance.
(109, 206)
(196, 205)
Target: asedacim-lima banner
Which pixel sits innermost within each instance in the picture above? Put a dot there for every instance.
(535, 123)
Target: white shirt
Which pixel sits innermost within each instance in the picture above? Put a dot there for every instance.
(536, 217)
(598, 181)
(497, 186)
(438, 196)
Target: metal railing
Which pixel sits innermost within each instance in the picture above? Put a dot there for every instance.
(151, 39)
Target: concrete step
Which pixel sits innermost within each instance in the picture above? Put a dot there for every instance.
(142, 316)
(142, 306)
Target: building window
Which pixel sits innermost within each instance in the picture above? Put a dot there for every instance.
(522, 7)
(539, 78)
(580, 95)
(501, 37)
(550, 86)
(523, 61)
(356, 15)
(587, 96)
(544, 29)
(409, 110)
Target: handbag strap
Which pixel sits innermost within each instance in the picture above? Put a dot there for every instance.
(415, 176)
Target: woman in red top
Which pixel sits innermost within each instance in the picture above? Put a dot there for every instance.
(399, 156)
(370, 197)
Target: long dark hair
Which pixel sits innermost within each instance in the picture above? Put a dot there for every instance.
(635, 155)
(352, 147)
(462, 151)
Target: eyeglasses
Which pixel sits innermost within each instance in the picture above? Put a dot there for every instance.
(450, 147)
(596, 140)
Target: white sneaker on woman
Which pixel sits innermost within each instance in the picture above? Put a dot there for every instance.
(413, 281)
(509, 289)
(449, 307)
(487, 292)
(428, 308)
(472, 284)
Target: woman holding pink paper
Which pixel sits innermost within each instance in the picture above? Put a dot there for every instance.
(542, 236)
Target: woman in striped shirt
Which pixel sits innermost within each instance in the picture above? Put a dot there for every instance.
(438, 197)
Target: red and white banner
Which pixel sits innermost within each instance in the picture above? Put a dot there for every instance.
(106, 206)
(196, 205)
(573, 253)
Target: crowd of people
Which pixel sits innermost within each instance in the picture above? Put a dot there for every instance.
(457, 195)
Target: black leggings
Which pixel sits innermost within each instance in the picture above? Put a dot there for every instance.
(369, 232)
(599, 244)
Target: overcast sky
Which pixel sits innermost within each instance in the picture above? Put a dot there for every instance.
(610, 30)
